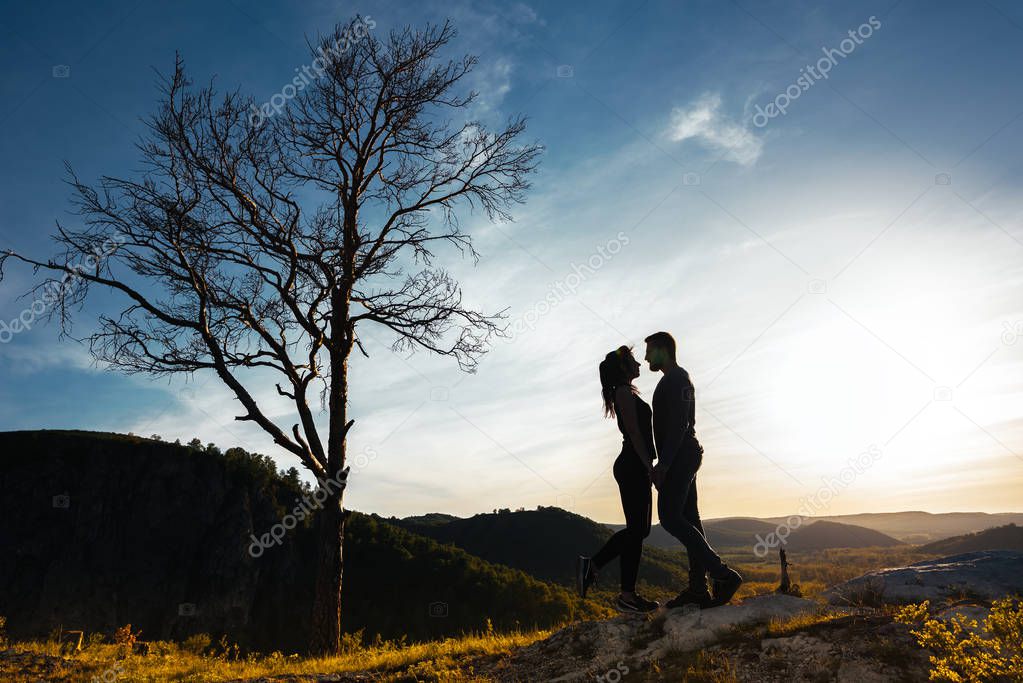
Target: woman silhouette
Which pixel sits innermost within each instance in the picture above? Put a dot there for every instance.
(632, 472)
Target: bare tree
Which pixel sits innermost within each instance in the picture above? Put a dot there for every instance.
(267, 242)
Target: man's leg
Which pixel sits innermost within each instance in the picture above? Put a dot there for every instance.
(697, 571)
(671, 506)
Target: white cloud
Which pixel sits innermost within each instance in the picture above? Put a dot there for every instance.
(24, 358)
(702, 120)
(492, 80)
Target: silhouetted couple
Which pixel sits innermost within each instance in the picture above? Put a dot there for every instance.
(667, 433)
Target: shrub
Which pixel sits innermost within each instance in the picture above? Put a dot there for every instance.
(351, 642)
(968, 652)
(226, 650)
(124, 636)
(196, 643)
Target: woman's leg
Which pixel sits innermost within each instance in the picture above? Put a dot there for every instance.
(620, 541)
(637, 503)
(634, 489)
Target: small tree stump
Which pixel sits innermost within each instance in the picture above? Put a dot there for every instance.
(71, 642)
(786, 587)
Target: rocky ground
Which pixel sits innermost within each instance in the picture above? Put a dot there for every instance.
(726, 643)
(851, 638)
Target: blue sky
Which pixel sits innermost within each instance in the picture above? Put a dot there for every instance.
(843, 278)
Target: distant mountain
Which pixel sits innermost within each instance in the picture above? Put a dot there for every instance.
(909, 527)
(431, 519)
(732, 532)
(1008, 537)
(822, 535)
(923, 527)
(543, 543)
(735, 534)
(99, 530)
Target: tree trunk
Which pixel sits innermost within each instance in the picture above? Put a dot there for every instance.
(325, 625)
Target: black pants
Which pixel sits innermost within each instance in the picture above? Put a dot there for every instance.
(680, 516)
(627, 544)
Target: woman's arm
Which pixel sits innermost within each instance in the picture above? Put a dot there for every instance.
(625, 405)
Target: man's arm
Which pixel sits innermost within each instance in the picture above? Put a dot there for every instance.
(668, 417)
(688, 404)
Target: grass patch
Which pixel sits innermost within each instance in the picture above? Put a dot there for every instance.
(781, 628)
(441, 660)
(702, 666)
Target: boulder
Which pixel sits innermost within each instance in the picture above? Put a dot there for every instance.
(608, 649)
(984, 575)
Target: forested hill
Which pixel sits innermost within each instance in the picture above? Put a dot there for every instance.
(100, 530)
(544, 543)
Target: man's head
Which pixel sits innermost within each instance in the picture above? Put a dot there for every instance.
(660, 351)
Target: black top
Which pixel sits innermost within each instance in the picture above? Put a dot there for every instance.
(644, 415)
(675, 414)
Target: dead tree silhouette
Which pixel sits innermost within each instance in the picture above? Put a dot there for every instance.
(265, 243)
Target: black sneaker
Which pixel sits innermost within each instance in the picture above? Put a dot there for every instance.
(636, 603)
(725, 586)
(690, 596)
(585, 575)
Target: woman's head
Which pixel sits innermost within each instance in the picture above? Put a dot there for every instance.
(618, 368)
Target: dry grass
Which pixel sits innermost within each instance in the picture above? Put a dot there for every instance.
(779, 628)
(815, 571)
(431, 661)
(443, 660)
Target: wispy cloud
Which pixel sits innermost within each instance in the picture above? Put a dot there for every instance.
(492, 81)
(702, 120)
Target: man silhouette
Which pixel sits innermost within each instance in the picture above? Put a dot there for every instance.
(679, 456)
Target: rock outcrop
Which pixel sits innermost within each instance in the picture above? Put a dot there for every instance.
(594, 649)
(984, 575)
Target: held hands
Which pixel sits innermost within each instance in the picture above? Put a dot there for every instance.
(657, 476)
